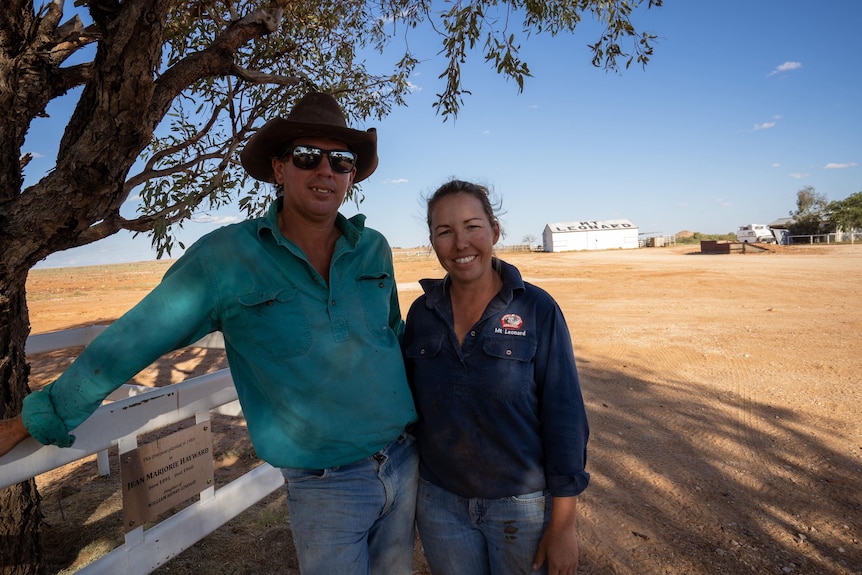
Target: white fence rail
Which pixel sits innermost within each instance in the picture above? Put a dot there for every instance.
(119, 423)
(834, 237)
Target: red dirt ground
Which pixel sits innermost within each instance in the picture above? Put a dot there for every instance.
(723, 395)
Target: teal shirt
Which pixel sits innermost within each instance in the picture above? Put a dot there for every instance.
(317, 368)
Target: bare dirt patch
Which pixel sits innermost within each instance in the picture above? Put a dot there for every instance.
(723, 395)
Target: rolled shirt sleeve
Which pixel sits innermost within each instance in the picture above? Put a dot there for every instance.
(565, 431)
(176, 313)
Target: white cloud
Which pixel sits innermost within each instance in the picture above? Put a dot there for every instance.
(218, 220)
(776, 165)
(486, 132)
(403, 15)
(398, 181)
(767, 125)
(837, 166)
(798, 176)
(786, 67)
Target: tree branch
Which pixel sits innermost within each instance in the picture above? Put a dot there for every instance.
(49, 16)
(255, 77)
(216, 59)
(169, 214)
(69, 78)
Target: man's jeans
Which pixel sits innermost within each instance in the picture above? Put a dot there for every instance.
(357, 519)
(480, 536)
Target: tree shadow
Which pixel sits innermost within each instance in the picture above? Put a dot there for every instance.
(686, 478)
(695, 480)
(83, 513)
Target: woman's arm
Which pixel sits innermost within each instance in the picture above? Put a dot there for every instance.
(559, 543)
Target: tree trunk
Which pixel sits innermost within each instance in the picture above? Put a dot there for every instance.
(20, 515)
(20, 547)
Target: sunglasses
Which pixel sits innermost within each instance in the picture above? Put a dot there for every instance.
(308, 157)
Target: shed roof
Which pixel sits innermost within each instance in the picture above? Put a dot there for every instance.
(782, 223)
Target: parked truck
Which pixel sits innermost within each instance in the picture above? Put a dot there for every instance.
(755, 233)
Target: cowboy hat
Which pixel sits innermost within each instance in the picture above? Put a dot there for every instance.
(315, 115)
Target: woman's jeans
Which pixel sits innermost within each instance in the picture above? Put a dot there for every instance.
(357, 519)
(480, 536)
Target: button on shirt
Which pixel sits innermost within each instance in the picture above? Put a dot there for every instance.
(318, 368)
(501, 414)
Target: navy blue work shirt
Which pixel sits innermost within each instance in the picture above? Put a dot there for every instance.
(501, 414)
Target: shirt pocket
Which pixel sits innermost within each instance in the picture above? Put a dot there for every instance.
(375, 293)
(506, 370)
(430, 374)
(274, 322)
(426, 347)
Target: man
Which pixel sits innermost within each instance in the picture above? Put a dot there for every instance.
(307, 303)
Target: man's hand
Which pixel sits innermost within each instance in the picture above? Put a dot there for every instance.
(12, 432)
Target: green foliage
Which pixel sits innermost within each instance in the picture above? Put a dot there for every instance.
(192, 165)
(490, 22)
(846, 214)
(317, 46)
(810, 216)
(206, 75)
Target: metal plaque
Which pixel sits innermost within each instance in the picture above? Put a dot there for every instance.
(162, 474)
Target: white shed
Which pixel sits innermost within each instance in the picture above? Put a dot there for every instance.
(590, 235)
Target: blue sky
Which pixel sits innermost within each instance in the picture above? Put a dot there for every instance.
(744, 103)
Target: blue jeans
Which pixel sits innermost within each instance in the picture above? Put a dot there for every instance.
(357, 519)
(480, 536)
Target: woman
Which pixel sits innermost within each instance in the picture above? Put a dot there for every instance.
(502, 428)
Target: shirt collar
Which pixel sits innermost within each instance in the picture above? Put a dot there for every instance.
(351, 228)
(436, 290)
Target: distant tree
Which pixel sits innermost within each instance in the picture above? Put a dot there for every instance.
(846, 214)
(810, 216)
(529, 239)
(173, 88)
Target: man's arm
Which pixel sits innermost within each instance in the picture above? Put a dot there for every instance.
(12, 432)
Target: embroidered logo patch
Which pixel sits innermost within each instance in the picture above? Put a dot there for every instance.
(511, 321)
